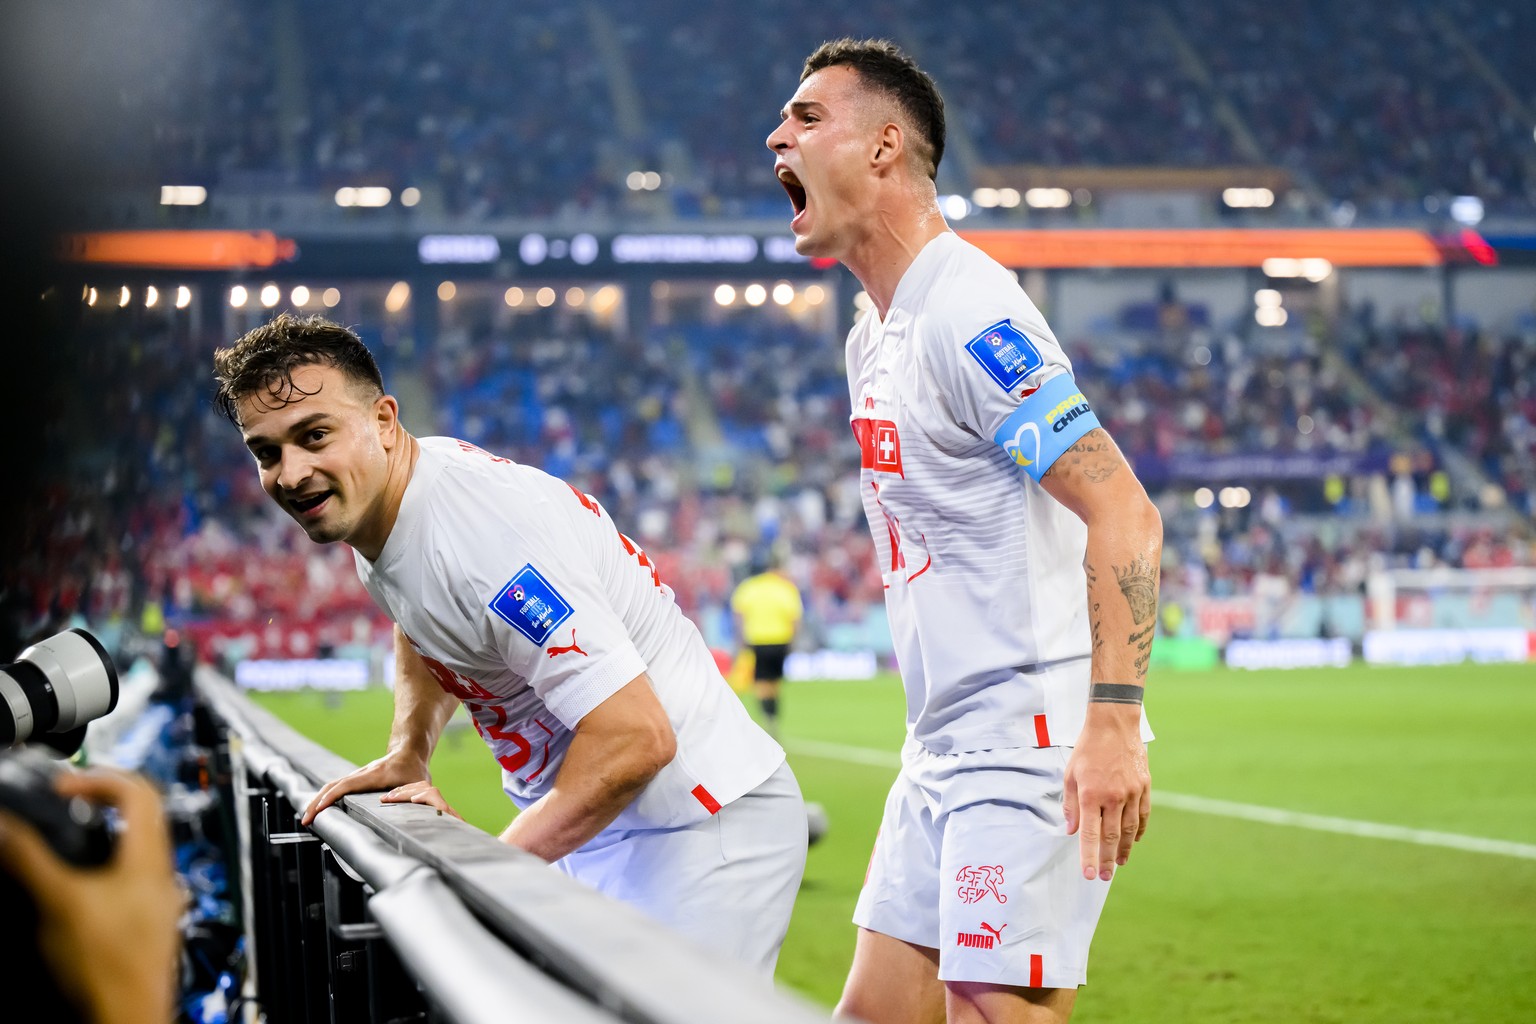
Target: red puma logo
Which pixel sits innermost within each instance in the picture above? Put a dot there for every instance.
(567, 650)
(995, 931)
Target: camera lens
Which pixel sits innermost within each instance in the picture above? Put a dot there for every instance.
(55, 686)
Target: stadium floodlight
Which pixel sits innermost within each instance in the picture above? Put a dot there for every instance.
(1008, 198)
(954, 207)
(862, 302)
(1082, 197)
(1467, 210)
(1316, 269)
(652, 181)
(1248, 198)
(815, 295)
(986, 198)
(367, 195)
(1048, 198)
(1305, 424)
(575, 296)
(90, 297)
(1266, 298)
(545, 297)
(584, 249)
(151, 296)
(1281, 266)
(783, 293)
(725, 295)
(513, 296)
(183, 195)
(1271, 316)
(1204, 497)
(238, 296)
(755, 295)
(446, 290)
(299, 295)
(410, 196)
(635, 180)
(183, 296)
(397, 298)
(271, 295)
(124, 296)
(331, 297)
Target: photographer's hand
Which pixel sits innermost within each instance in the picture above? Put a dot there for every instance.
(110, 933)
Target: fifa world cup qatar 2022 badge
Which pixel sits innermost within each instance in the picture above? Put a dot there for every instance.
(530, 604)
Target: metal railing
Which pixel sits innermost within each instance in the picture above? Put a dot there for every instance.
(395, 912)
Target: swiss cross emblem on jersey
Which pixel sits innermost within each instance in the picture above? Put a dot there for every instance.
(879, 446)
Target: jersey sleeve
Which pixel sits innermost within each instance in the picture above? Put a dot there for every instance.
(1006, 378)
(552, 625)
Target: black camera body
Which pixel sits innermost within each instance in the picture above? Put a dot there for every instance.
(76, 829)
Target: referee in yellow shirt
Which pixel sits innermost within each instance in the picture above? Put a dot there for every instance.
(768, 610)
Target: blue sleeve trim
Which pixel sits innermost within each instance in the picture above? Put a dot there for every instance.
(1046, 424)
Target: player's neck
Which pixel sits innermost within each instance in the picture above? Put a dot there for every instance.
(882, 257)
(402, 464)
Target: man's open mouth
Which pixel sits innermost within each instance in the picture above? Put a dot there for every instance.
(309, 502)
(794, 188)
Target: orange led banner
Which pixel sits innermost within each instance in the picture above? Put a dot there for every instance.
(179, 250)
(1363, 247)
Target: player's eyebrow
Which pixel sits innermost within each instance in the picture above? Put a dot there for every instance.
(253, 441)
(800, 107)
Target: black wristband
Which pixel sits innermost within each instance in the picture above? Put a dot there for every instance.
(1115, 693)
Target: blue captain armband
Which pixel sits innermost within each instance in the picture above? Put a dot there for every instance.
(1046, 424)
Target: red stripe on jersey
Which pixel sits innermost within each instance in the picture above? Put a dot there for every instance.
(702, 796)
(1036, 971)
(1042, 734)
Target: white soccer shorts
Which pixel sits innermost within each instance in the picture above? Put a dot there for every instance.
(727, 882)
(973, 858)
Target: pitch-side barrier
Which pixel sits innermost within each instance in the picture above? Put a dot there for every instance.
(395, 912)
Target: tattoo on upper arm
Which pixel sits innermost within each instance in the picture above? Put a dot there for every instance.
(1138, 582)
(1094, 456)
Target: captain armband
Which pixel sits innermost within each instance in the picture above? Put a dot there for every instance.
(1046, 424)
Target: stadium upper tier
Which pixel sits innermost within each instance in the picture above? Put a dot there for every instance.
(656, 107)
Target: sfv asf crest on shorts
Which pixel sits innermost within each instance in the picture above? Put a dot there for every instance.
(1006, 353)
(530, 605)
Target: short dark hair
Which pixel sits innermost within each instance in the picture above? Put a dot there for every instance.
(884, 66)
(264, 360)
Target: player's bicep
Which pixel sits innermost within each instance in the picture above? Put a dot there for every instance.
(1091, 477)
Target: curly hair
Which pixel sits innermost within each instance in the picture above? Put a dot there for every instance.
(264, 360)
(886, 68)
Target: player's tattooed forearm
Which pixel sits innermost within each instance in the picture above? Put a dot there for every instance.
(1094, 456)
(1115, 693)
(1098, 632)
(1138, 582)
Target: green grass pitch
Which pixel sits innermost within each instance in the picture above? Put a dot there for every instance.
(1215, 918)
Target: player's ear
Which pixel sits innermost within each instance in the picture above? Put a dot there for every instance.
(386, 412)
(890, 145)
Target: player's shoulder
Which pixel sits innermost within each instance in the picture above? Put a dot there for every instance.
(967, 294)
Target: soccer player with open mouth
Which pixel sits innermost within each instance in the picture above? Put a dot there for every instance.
(1020, 558)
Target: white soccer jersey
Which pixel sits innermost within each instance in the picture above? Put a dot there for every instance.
(983, 569)
(529, 605)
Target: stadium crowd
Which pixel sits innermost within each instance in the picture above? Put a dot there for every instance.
(542, 109)
(727, 435)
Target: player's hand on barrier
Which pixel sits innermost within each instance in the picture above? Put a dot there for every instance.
(109, 932)
(421, 793)
(391, 771)
(1108, 793)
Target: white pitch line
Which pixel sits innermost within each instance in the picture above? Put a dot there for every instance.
(1229, 809)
